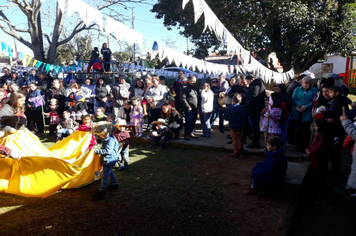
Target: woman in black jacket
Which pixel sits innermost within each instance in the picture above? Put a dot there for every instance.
(172, 117)
(101, 92)
(58, 92)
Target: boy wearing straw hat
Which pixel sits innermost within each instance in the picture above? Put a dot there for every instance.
(123, 137)
(162, 134)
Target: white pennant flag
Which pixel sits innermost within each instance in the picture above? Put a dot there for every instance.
(184, 3)
(72, 7)
(110, 25)
(61, 5)
(198, 9)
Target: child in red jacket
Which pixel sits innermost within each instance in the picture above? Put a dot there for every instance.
(86, 126)
(318, 153)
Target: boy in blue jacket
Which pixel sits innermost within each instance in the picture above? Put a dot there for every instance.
(108, 157)
(235, 114)
(272, 171)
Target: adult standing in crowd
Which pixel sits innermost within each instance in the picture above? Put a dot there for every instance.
(101, 91)
(189, 100)
(155, 97)
(228, 99)
(89, 93)
(206, 105)
(34, 103)
(178, 84)
(295, 84)
(120, 92)
(6, 75)
(44, 82)
(285, 102)
(301, 116)
(219, 87)
(58, 92)
(106, 52)
(15, 79)
(255, 102)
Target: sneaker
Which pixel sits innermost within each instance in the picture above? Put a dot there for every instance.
(351, 196)
(249, 191)
(233, 155)
(98, 196)
(187, 138)
(112, 187)
(289, 143)
(139, 135)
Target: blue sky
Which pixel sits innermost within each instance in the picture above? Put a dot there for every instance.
(145, 23)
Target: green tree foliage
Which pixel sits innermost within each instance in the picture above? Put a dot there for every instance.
(299, 32)
(79, 47)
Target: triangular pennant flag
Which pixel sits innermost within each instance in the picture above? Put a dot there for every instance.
(184, 3)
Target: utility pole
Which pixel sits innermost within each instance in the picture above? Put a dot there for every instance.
(187, 47)
(133, 27)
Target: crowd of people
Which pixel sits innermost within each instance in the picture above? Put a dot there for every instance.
(303, 114)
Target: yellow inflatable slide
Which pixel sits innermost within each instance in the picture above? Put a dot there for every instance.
(41, 171)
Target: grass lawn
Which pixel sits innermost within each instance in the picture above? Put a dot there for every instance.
(178, 191)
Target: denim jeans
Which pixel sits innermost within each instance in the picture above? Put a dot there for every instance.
(217, 112)
(255, 125)
(190, 119)
(163, 139)
(107, 171)
(205, 123)
(63, 131)
(284, 128)
(123, 156)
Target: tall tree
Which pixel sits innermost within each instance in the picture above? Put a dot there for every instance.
(299, 32)
(53, 34)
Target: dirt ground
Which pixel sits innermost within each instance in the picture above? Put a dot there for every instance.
(171, 192)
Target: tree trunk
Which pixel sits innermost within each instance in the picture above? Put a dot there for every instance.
(57, 29)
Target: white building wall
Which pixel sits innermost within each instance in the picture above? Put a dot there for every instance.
(339, 64)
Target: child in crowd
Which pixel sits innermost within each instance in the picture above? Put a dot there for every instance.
(111, 118)
(123, 137)
(136, 116)
(108, 157)
(162, 134)
(34, 104)
(335, 131)
(109, 105)
(54, 118)
(235, 114)
(270, 123)
(272, 171)
(100, 116)
(86, 126)
(67, 125)
(318, 153)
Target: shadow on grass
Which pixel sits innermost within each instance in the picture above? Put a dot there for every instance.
(178, 191)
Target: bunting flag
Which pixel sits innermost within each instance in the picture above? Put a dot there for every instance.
(214, 24)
